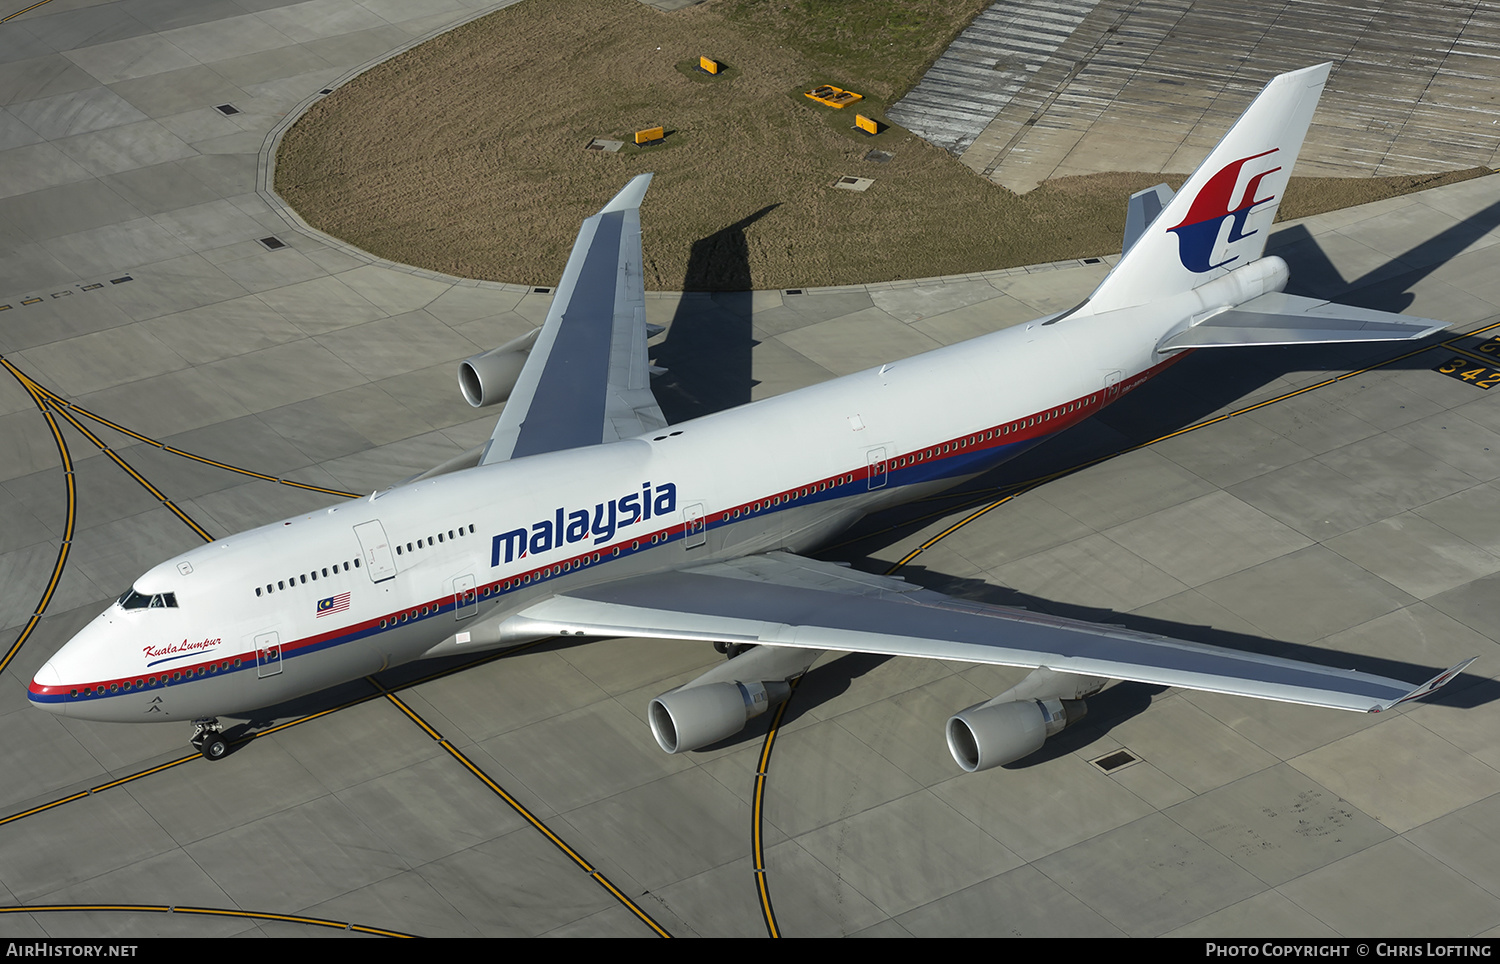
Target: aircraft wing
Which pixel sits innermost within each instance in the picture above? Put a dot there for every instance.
(586, 379)
(779, 599)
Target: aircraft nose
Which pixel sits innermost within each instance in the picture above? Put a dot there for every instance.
(47, 690)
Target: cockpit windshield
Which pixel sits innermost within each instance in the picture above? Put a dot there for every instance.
(135, 600)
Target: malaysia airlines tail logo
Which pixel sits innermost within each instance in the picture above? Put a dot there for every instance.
(1198, 234)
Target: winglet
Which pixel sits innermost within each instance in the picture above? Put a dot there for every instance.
(630, 195)
(1430, 686)
(1142, 210)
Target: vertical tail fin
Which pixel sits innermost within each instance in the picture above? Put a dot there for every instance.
(1221, 217)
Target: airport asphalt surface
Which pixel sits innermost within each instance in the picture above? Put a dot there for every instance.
(1340, 505)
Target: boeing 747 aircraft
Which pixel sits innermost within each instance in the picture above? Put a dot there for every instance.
(587, 515)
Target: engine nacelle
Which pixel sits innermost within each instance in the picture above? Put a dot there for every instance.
(718, 704)
(490, 378)
(995, 733)
(700, 715)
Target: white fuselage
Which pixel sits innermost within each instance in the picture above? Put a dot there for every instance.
(436, 567)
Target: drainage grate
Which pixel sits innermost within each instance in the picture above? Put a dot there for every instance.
(1117, 760)
(603, 144)
(120, 281)
(326, 90)
(541, 291)
(794, 291)
(1092, 260)
(854, 183)
(272, 243)
(227, 109)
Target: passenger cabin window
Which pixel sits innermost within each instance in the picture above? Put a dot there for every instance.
(280, 584)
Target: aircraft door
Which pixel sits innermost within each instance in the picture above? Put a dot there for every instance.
(876, 459)
(267, 655)
(1111, 386)
(694, 528)
(465, 599)
(376, 549)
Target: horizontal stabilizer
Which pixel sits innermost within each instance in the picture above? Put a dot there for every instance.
(1282, 319)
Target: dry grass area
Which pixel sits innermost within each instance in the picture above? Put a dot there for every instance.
(1307, 196)
(466, 155)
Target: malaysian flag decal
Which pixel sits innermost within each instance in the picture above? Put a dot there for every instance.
(333, 604)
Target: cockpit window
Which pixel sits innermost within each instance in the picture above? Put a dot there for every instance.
(134, 600)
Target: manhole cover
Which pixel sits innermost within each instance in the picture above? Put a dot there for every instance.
(1117, 760)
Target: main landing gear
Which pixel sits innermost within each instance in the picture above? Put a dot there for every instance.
(208, 739)
(731, 650)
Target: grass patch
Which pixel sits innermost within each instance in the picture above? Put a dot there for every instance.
(691, 70)
(1307, 196)
(466, 154)
(883, 45)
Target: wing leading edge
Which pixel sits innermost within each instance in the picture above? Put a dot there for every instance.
(586, 379)
(779, 599)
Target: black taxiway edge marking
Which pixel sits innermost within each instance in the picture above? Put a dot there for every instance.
(520, 809)
(757, 812)
(491, 657)
(208, 911)
(1020, 488)
(118, 460)
(72, 515)
(63, 403)
(24, 10)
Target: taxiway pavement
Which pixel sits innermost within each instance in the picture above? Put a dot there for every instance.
(1360, 517)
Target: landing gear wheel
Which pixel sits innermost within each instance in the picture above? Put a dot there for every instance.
(731, 650)
(208, 740)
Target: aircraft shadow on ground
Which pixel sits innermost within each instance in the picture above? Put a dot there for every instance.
(1202, 385)
(1211, 382)
(1124, 700)
(706, 353)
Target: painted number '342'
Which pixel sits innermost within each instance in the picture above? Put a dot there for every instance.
(1470, 371)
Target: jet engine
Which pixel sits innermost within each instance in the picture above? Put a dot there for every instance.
(702, 715)
(991, 734)
(1017, 722)
(718, 704)
(491, 377)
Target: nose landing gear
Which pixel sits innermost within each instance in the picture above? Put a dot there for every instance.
(208, 739)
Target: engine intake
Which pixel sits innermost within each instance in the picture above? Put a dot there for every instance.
(995, 733)
(490, 378)
(718, 704)
(701, 715)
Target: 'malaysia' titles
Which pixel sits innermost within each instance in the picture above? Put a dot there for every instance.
(566, 527)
